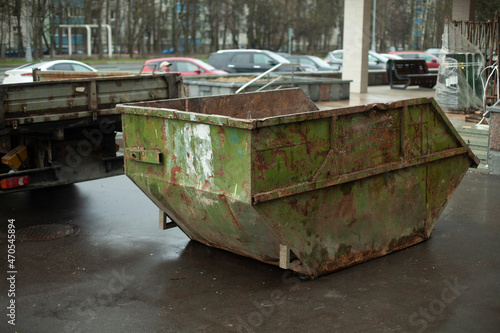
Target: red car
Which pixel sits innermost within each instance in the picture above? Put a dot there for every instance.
(184, 66)
(432, 61)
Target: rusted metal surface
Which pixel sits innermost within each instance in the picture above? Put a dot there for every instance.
(268, 176)
(39, 75)
(41, 102)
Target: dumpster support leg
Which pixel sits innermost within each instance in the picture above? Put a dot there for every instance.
(163, 221)
(284, 256)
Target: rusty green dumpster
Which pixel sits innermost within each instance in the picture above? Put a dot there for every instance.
(269, 176)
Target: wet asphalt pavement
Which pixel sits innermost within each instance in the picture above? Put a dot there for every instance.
(120, 273)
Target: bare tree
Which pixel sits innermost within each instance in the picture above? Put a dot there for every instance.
(17, 11)
(152, 25)
(5, 24)
(214, 17)
(38, 15)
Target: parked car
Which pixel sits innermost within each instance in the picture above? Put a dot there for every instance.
(375, 60)
(15, 52)
(247, 61)
(309, 63)
(24, 73)
(432, 61)
(184, 66)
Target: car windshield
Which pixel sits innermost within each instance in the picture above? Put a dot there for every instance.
(337, 54)
(204, 64)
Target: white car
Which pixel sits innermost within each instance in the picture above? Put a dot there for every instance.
(24, 73)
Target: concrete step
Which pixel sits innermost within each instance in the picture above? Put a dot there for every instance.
(481, 140)
(477, 146)
(464, 129)
(477, 136)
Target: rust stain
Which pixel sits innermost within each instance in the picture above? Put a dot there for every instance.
(163, 133)
(405, 241)
(173, 173)
(220, 172)
(222, 136)
(223, 198)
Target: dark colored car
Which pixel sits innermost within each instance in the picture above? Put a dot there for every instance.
(247, 61)
(15, 52)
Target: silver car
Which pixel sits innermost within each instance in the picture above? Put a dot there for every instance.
(24, 73)
(375, 60)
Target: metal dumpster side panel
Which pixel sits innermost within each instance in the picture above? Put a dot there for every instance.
(381, 188)
(347, 145)
(338, 226)
(441, 184)
(214, 220)
(187, 154)
(206, 194)
(288, 154)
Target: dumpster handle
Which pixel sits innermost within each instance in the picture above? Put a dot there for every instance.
(141, 154)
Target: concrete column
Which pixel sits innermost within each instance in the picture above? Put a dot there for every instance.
(70, 42)
(463, 10)
(356, 44)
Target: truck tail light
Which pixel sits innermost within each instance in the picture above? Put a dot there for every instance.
(14, 182)
(27, 74)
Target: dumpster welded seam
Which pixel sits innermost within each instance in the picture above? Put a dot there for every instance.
(320, 114)
(354, 176)
(212, 119)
